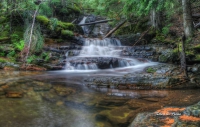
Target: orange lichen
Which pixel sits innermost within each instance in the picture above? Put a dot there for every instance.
(189, 118)
(168, 122)
(168, 110)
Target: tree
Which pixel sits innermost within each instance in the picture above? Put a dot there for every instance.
(187, 18)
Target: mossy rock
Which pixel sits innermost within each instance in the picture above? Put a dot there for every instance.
(67, 34)
(42, 19)
(64, 25)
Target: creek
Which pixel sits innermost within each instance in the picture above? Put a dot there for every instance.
(64, 98)
(61, 99)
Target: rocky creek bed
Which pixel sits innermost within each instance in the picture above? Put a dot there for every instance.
(63, 99)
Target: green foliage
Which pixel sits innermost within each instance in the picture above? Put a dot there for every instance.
(53, 23)
(2, 54)
(11, 54)
(165, 30)
(42, 19)
(46, 9)
(150, 70)
(45, 56)
(3, 60)
(37, 39)
(160, 37)
(30, 59)
(14, 38)
(19, 45)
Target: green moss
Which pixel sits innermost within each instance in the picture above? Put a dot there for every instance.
(67, 33)
(42, 19)
(64, 25)
(150, 70)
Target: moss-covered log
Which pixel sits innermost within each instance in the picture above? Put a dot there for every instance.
(61, 28)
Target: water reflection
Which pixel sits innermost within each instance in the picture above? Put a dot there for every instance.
(58, 99)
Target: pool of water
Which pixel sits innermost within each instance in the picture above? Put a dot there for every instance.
(60, 99)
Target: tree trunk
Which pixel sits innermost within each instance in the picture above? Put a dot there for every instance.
(155, 19)
(187, 18)
(183, 58)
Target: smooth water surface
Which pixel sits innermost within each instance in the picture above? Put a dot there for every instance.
(60, 99)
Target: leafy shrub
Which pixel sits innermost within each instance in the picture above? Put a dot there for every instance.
(19, 45)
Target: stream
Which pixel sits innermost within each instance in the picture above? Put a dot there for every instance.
(60, 99)
(80, 95)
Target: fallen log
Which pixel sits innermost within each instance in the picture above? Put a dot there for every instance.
(114, 29)
(96, 22)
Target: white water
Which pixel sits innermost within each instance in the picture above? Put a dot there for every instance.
(100, 47)
(108, 48)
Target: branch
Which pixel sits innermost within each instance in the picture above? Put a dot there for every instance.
(100, 21)
(114, 29)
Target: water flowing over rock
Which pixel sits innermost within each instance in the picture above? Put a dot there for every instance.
(100, 54)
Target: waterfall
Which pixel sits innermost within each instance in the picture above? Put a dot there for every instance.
(97, 54)
(82, 22)
(100, 47)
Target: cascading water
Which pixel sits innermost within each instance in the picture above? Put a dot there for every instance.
(97, 54)
(100, 54)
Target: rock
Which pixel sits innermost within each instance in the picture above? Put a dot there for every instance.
(10, 68)
(50, 97)
(14, 94)
(41, 86)
(63, 90)
(118, 116)
(2, 92)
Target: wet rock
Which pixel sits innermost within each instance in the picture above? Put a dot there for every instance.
(50, 97)
(128, 39)
(170, 116)
(14, 94)
(118, 116)
(10, 68)
(41, 86)
(193, 110)
(63, 90)
(2, 92)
